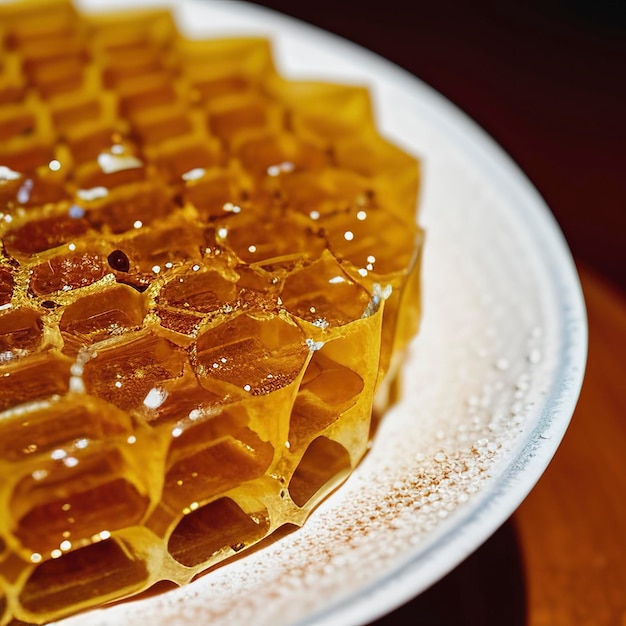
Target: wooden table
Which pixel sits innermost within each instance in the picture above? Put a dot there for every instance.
(561, 559)
(572, 527)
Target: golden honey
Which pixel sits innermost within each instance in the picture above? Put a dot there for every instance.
(207, 274)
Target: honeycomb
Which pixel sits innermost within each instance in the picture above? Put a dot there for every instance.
(207, 274)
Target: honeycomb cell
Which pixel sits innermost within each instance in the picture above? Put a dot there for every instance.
(30, 191)
(215, 468)
(156, 250)
(275, 155)
(112, 168)
(323, 294)
(327, 390)
(324, 113)
(123, 373)
(69, 422)
(218, 526)
(223, 67)
(391, 170)
(199, 289)
(101, 315)
(65, 273)
(70, 110)
(180, 402)
(20, 332)
(266, 243)
(324, 465)
(208, 275)
(216, 192)
(187, 158)
(71, 502)
(93, 574)
(373, 240)
(235, 117)
(44, 234)
(37, 377)
(324, 193)
(253, 355)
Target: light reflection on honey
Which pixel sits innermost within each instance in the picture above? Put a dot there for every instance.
(206, 273)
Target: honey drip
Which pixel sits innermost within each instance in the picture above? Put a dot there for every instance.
(207, 274)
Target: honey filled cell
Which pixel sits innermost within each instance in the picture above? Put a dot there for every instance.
(208, 276)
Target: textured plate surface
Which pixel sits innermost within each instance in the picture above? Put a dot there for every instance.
(489, 385)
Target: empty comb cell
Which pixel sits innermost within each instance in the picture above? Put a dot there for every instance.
(206, 273)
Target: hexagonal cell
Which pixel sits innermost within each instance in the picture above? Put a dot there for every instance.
(111, 171)
(210, 470)
(181, 402)
(20, 331)
(123, 373)
(100, 315)
(74, 496)
(6, 285)
(119, 65)
(327, 389)
(125, 206)
(234, 116)
(394, 171)
(278, 155)
(43, 234)
(180, 156)
(267, 242)
(256, 355)
(218, 192)
(64, 273)
(224, 66)
(373, 240)
(323, 294)
(201, 289)
(325, 112)
(87, 140)
(138, 97)
(218, 526)
(149, 250)
(31, 191)
(70, 110)
(83, 578)
(324, 192)
(33, 378)
(74, 421)
(58, 76)
(323, 467)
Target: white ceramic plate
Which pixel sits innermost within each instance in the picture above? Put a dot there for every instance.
(490, 383)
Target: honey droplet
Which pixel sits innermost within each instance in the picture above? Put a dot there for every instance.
(119, 261)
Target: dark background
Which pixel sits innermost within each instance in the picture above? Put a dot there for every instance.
(547, 79)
